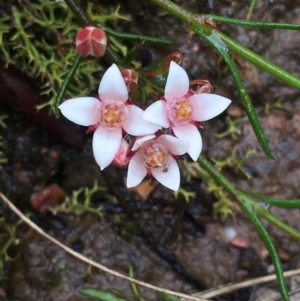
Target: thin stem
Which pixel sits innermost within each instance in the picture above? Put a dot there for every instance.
(248, 209)
(62, 91)
(112, 55)
(263, 233)
(197, 24)
(78, 12)
(253, 118)
(287, 204)
(257, 60)
(130, 36)
(88, 261)
(254, 24)
(272, 219)
(252, 5)
(173, 9)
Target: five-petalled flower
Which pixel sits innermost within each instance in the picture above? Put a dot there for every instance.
(108, 115)
(155, 156)
(180, 109)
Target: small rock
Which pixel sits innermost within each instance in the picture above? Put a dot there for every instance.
(47, 197)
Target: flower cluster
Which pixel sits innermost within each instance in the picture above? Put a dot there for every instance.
(168, 128)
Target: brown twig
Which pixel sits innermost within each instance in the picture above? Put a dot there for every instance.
(89, 261)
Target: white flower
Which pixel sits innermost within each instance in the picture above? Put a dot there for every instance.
(180, 109)
(108, 116)
(154, 156)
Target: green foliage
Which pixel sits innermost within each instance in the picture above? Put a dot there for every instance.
(185, 194)
(8, 238)
(38, 39)
(224, 205)
(75, 205)
(233, 129)
(235, 163)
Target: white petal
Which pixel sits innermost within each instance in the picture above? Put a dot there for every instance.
(112, 86)
(207, 106)
(135, 125)
(157, 113)
(174, 145)
(136, 171)
(177, 82)
(169, 175)
(106, 145)
(82, 110)
(190, 134)
(139, 141)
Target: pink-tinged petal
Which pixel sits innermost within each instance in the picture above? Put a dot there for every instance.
(157, 114)
(168, 175)
(173, 144)
(106, 145)
(136, 171)
(207, 106)
(82, 110)
(112, 86)
(177, 82)
(139, 141)
(190, 134)
(135, 125)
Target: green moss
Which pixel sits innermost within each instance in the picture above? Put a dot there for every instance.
(80, 202)
(38, 40)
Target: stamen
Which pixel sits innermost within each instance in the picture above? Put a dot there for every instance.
(112, 114)
(154, 155)
(180, 112)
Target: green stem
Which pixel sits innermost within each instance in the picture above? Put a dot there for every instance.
(217, 176)
(262, 63)
(248, 209)
(252, 5)
(254, 24)
(271, 218)
(287, 204)
(112, 56)
(263, 233)
(79, 13)
(197, 24)
(129, 36)
(62, 91)
(253, 118)
(174, 9)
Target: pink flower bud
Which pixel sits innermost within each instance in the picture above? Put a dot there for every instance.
(201, 86)
(131, 79)
(122, 159)
(176, 57)
(91, 42)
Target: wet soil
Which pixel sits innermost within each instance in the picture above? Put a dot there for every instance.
(167, 241)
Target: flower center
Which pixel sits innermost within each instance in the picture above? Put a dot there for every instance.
(180, 111)
(113, 114)
(154, 155)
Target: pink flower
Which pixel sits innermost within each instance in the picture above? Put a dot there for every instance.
(108, 116)
(154, 156)
(181, 109)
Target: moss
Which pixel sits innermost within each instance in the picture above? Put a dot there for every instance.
(37, 38)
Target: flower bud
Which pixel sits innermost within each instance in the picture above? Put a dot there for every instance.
(131, 79)
(176, 57)
(201, 86)
(121, 158)
(91, 42)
